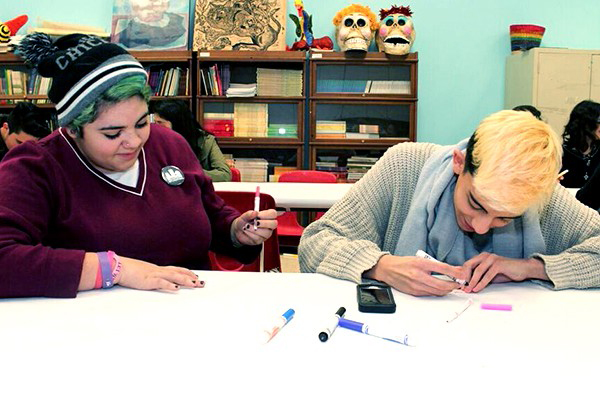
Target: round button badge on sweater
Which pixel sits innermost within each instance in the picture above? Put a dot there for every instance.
(172, 175)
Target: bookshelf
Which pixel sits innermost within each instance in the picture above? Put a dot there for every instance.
(254, 103)
(360, 105)
(171, 72)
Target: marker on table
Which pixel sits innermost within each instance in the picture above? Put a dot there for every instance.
(279, 324)
(497, 307)
(422, 254)
(366, 329)
(256, 205)
(332, 323)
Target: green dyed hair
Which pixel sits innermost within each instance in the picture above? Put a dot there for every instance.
(124, 89)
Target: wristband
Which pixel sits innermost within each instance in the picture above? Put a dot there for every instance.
(98, 284)
(107, 280)
(115, 265)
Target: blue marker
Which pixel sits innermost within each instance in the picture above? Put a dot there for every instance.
(364, 328)
(279, 324)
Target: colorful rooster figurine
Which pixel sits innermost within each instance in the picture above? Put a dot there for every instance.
(303, 24)
(10, 28)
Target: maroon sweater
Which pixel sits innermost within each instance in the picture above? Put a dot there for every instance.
(55, 206)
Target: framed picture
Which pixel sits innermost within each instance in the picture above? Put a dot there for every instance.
(239, 25)
(151, 24)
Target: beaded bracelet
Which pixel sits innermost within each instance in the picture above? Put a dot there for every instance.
(115, 265)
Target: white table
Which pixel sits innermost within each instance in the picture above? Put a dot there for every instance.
(293, 196)
(201, 344)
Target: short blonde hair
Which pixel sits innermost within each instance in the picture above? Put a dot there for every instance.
(357, 8)
(514, 159)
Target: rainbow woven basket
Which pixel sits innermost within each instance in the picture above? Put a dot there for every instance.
(525, 37)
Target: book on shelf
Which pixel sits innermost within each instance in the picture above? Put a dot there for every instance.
(278, 82)
(334, 127)
(250, 119)
(168, 81)
(342, 85)
(388, 87)
(358, 166)
(362, 128)
(241, 90)
(331, 135)
(278, 170)
(218, 124)
(252, 169)
(355, 135)
(282, 130)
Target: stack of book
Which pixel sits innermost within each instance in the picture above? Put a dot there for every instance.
(279, 82)
(241, 90)
(364, 132)
(278, 170)
(359, 166)
(341, 173)
(252, 169)
(218, 124)
(282, 130)
(331, 129)
(250, 119)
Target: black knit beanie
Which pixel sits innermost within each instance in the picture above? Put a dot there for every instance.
(82, 67)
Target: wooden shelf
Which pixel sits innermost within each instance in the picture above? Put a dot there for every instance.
(359, 57)
(177, 56)
(250, 56)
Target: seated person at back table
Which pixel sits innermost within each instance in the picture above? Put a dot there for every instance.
(24, 123)
(176, 115)
(489, 208)
(108, 182)
(581, 152)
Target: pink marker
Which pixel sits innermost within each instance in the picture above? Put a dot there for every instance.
(498, 307)
(256, 205)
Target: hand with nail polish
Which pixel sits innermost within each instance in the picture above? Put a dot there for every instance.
(243, 226)
(143, 275)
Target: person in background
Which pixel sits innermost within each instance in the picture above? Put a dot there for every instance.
(581, 152)
(109, 199)
(176, 115)
(24, 123)
(526, 107)
(489, 209)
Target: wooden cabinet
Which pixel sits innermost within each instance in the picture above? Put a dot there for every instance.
(359, 106)
(254, 103)
(552, 80)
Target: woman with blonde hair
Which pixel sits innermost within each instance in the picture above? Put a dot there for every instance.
(489, 208)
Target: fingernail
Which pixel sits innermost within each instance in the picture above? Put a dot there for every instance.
(257, 223)
(176, 286)
(201, 283)
(246, 226)
(194, 282)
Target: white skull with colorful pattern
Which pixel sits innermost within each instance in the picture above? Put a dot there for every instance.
(355, 28)
(396, 32)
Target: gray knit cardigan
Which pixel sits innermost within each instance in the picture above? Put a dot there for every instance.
(366, 223)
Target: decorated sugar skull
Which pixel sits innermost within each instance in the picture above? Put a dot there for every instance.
(355, 28)
(396, 32)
